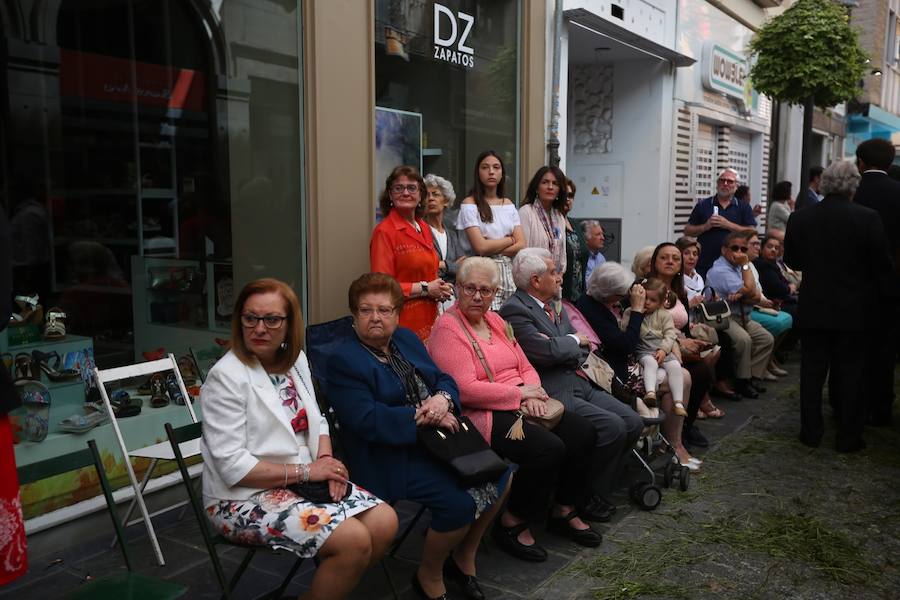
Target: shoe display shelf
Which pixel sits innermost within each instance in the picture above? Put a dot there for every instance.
(67, 398)
(181, 314)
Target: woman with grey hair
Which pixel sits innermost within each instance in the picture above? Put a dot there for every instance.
(448, 240)
(475, 346)
(840, 178)
(608, 285)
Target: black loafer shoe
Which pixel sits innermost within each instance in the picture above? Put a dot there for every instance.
(583, 537)
(743, 387)
(420, 591)
(597, 510)
(468, 583)
(757, 385)
(692, 437)
(506, 539)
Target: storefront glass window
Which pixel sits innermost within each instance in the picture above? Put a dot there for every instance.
(150, 167)
(446, 87)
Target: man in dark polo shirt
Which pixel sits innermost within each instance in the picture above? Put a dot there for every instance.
(715, 217)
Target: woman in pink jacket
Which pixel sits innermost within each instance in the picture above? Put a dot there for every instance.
(476, 347)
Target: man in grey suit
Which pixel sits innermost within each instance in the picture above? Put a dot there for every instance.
(557, 352)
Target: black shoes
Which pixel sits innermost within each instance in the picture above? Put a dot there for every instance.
(756, 384)
(417, 587)
(692, 437)
(507, 539)
(717, 393)
(598, 510)
(583, 537)
(468, 583)
(745, 389)
(808, 441)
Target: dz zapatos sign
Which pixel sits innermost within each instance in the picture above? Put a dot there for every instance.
(451, 33)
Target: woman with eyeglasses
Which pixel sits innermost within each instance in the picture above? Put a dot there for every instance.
(475, 346)
(403, 247)
(492, 222)
(383, 387)
(267, 451)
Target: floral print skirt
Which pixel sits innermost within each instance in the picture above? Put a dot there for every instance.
(281, 519)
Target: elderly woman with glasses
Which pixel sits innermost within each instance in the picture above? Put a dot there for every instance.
(402, 246)
(384, 387)
(266, 446)
(476, 347)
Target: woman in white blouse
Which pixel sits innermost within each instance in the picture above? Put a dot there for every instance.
(491, 221)
(541, 214)
(693, 281)
(269, 478)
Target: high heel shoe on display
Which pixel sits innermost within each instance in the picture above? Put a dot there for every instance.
(25, 369)
(29, 311)
(54, 373)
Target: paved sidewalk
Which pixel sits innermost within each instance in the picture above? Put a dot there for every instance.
(753, 462)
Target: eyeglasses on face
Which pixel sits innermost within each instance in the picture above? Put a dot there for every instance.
(736, 248)
(727, 181)
(412, 188)
(383, 311)
(471, 290)
(249, 320)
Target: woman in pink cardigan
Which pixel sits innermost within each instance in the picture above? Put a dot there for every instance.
(549, 460)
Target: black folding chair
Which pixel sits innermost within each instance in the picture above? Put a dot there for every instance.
(120, 586)
(212, 539)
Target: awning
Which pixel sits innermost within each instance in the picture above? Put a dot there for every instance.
(589, 20)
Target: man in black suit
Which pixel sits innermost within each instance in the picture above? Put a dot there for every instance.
(556, 351)
(881, 193)
(842, 250)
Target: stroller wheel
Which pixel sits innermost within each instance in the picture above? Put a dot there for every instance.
(684, 479)
(669, 474)
(650, 498)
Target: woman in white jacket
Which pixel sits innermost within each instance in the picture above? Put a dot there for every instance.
(269, 477)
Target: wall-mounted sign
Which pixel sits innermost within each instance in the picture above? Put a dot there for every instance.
(725, 71)
(451, 33)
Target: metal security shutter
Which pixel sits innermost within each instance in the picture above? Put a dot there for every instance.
(684, 200)
(739, 155)
(704, 167)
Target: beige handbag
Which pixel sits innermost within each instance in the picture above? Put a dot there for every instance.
(548, 420)
(598, 371)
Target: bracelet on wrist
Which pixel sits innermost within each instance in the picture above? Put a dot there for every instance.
(285, 474)
(305, 474)
(296, 473)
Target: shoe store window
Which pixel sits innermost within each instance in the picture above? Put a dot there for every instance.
(447, 87)
(150, 165)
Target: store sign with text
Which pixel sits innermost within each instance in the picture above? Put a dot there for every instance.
(451, 36)
(725, 71)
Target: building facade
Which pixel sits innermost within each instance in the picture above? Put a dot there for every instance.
(157, 156)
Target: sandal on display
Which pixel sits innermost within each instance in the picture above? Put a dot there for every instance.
(82, 423)
(173, 389)
(29, 311)
(124, 405)
(158, 397)
(42, 360)
(8, 361)
(55, 326)
(25, 369)
(36, 400)
(188, 368)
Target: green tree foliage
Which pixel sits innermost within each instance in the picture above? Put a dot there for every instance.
(809, 50)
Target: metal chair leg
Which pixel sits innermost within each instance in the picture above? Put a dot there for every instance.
(240, 571)
(387, 575)
(287, 580)
(133, 503)
(399, 541)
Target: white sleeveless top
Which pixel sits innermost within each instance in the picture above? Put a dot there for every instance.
(506, 218)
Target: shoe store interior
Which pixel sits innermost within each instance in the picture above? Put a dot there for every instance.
(121, 177)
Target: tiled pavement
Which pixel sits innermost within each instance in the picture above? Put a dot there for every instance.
(64, 566)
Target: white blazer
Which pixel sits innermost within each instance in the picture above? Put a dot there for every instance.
(244, 422)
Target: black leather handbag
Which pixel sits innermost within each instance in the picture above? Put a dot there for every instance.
(465, 452)
(715, 313)
(317, 492)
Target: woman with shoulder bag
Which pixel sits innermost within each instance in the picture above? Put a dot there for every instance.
(497, 385)
(385, 391)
